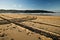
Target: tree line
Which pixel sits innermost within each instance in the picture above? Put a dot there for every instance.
(25, 11)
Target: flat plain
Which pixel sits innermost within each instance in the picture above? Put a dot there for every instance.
(29, 27)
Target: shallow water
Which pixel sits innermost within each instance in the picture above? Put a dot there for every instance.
(56, 14)
(48, 14)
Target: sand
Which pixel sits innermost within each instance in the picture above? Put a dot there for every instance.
(11, 31)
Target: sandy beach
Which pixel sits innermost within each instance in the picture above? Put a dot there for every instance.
(29, 27)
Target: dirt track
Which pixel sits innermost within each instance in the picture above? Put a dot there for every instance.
(32, 27)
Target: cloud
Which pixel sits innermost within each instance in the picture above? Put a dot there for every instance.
(13, 6)
(17, 6)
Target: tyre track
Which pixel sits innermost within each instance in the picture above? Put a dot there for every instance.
(34, 21)
(47, 34)
(45, 24)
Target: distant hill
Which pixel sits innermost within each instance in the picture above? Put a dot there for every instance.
(25, 11)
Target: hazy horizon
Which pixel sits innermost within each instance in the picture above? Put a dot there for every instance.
(50, 5)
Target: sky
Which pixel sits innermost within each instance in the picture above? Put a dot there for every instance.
(51, 5)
